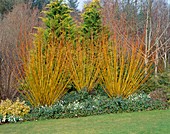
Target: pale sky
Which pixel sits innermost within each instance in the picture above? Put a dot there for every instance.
(81, 3)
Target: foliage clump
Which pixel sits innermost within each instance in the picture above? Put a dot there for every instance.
(45, 78)
(11, 111)
(84, 64)
(122, 67)
(80, 104)
(158, 86)
(58, 20)
(92, 22)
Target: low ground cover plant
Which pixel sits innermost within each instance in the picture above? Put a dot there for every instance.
(13, 111)
(80, 104)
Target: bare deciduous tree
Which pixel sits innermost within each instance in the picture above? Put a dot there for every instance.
(17, 25)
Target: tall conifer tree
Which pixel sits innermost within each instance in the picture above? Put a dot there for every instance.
(92, 24)
(58, 19)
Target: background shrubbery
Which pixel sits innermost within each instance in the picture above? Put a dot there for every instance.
(158, 87)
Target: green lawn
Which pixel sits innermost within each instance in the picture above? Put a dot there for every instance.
(151, 122)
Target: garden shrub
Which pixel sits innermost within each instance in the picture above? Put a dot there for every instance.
(54, 61)
(159, 94)
(84, 64)
(159, 86)
(161, 81)
(123, 67)
(12, 111)
(15, 31)
(46, 75)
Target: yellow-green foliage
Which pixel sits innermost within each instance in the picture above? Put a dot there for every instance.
(84, 65)
(92, 22)
(45, 71)
(16, 109)
(122, 68)
(58, 19)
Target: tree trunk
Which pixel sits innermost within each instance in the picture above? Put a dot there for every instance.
(156, 58)
(1, 88)
(148, 33)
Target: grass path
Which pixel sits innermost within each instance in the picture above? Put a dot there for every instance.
(151, 122)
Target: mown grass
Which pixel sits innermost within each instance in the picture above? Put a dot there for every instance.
(150, 122)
